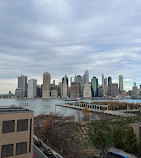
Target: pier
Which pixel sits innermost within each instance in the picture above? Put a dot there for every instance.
(97, 108)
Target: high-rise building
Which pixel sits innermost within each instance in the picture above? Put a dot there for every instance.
(46, 85)
(32, 88)
(70, 80)
(53, 82)
(114, 89)
(87, 90)
(103, 92)
(109, 85)
(86, 77)
(75, 90)
(79, 79)
(22, 85)
(16, 132)
(39, 91)
(109, 81)
(94, 87)
(120, 83)
(54, 91)
(65, 90)
(135, 90)
(60, 89)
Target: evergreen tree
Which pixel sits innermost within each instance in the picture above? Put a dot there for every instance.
(117, 137)
(130, 141)
(100, 141)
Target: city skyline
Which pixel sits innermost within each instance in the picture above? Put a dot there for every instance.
(104, 35)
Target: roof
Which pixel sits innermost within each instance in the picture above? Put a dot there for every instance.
(13, 109)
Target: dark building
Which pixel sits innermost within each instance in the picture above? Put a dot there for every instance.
(75, 90)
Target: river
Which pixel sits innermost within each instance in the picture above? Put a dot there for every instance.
(46, 106)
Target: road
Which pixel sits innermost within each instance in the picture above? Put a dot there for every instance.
(38, 153)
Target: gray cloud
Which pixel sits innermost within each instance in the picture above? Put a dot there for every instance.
(62, 37)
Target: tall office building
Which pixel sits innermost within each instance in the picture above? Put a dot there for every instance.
(75, 90)
(79, 79)
(60, 89)
(135, 90)
(46, 85)
(70, 81)
(65, 90)
(32, 88)
(86, 77)
(109, 85)
(120, 83)
(22, 86)
(94, 87)
(102, 80)
(16, 132)
(53, 83)
(114, 89)
(87, 90)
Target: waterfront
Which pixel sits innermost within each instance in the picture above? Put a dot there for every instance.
(46, 106)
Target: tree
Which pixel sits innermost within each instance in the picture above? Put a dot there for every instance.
(86, 114)
(117, 137)
(100, 141)
(130, 141)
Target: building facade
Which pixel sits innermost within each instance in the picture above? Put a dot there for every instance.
(94, 87)
(46, 85)
(32, 88)
(16, 132)
(87, 90)
(86, 77)
(22, 85)
(120, 83)
(114, 89)
(65, 89)
(75, 90)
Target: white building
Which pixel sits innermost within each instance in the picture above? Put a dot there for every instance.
(120, 83)
(32, 88)
(87, 90)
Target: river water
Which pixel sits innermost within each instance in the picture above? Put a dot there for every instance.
(46, 106)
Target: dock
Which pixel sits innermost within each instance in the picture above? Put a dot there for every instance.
(97, 109)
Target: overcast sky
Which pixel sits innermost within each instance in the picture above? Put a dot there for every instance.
(63, 36)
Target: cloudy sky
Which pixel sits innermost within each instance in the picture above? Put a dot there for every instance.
(63, 36)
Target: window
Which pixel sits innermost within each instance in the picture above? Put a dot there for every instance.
(30, 135)
(21, 148)
(7, 150)
(8, 126)
(22, 125)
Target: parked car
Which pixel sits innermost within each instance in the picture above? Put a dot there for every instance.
(48, 153)
(38, 143)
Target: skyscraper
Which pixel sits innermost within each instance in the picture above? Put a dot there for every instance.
(86, 77)
(94, 86)
(22, 85)
(75, 90)
(46, 85)
(120, 83)
(114, 89)
(103, 89)
(87, 90)
(70, 81)
(109, 85)
(135, 90)
(65, 90)
(79, 79)
(32, 88)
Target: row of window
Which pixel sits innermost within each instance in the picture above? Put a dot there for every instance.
(9, 126)
(8, 150)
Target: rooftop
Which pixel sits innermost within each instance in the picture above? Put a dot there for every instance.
(11, 109)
